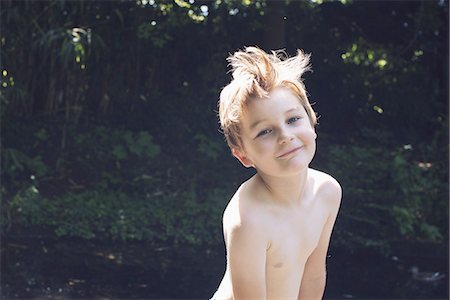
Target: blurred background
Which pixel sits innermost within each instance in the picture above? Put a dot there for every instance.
(114, 174)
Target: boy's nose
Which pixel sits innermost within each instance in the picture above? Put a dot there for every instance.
(285, 136)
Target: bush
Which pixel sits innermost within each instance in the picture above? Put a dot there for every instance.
(178, 217)
(388, 196)
(111, 183)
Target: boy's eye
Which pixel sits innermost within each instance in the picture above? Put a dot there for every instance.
(263, 132)
(293, 119)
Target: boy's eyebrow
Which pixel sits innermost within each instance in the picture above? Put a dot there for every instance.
(254, 124)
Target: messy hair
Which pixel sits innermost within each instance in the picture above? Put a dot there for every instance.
(255, 74)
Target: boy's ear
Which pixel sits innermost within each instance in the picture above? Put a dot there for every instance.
(240, 155)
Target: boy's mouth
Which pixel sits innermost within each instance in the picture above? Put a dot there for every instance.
(285, 154)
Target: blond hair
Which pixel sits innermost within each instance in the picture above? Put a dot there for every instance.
(255, 74)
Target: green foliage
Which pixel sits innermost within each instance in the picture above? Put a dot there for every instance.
(119, 144)
(388, 196)
(27, 206)
(15, 162)
(209, 148)
(112, 157)
(110, 116)
(176, 217)
(111, 184)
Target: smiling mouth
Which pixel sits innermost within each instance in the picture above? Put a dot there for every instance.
(290, 152)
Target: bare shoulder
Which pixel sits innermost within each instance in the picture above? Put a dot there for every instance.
(242, 212)
(327, 187)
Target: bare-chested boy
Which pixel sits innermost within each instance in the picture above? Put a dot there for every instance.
(278, 224)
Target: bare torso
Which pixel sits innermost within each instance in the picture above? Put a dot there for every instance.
(292, 233)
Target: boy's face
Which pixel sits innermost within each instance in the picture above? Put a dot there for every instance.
(277, 136)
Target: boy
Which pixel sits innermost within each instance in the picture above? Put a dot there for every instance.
(278, 224)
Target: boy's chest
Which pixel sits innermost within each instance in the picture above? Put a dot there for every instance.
(294, 237)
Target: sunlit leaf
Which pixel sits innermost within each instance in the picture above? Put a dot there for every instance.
(381, 63)
(378, 109)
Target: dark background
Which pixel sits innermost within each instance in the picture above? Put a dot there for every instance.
(111, 155)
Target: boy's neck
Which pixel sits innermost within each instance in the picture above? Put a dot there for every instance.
(285, 190)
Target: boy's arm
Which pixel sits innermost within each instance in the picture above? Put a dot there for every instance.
(314, 276)
(246, 256)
